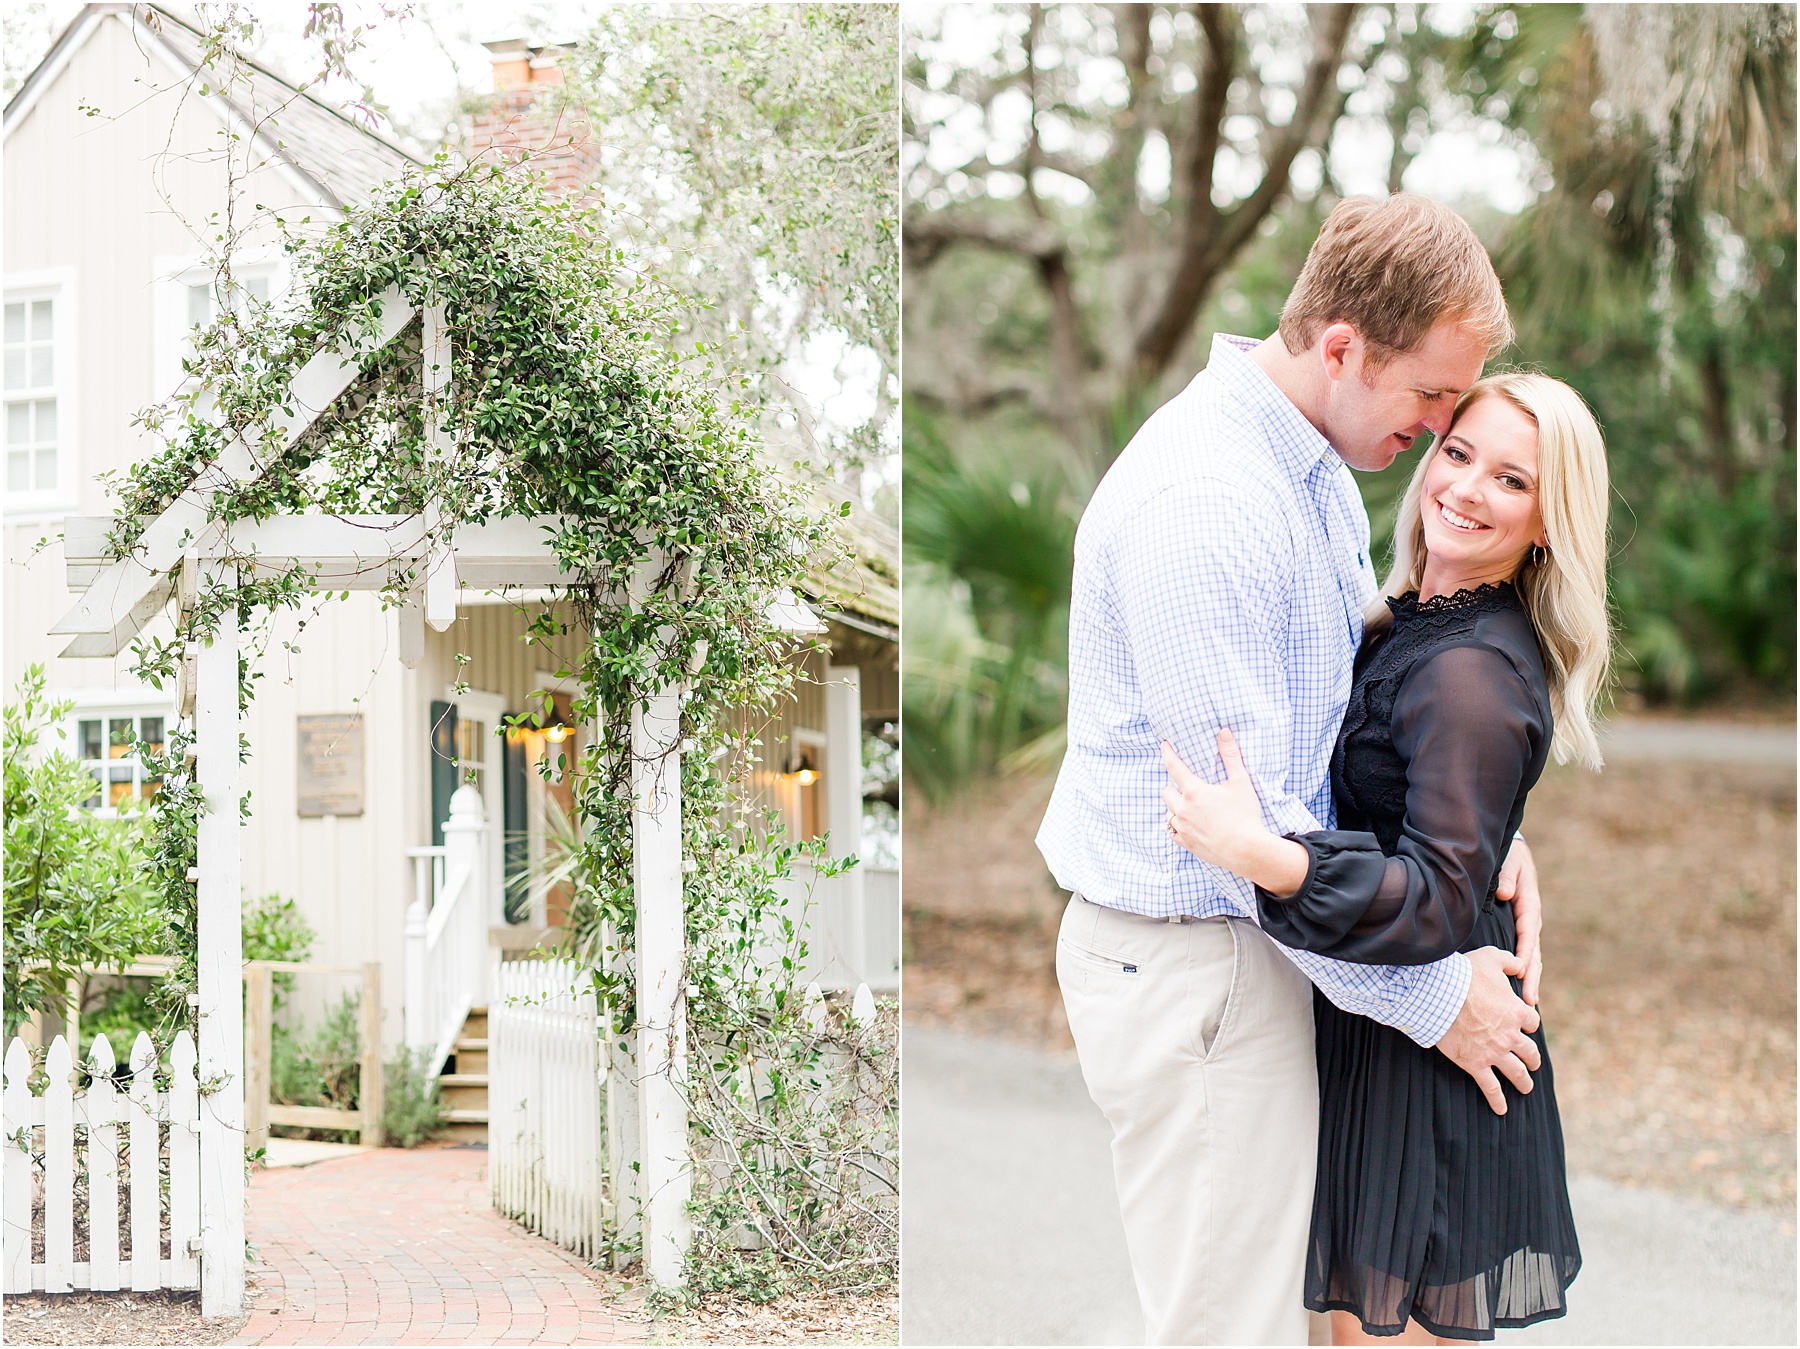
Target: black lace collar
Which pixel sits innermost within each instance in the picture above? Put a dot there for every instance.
(1489, 598)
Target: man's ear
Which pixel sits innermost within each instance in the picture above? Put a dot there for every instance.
(1338, 345)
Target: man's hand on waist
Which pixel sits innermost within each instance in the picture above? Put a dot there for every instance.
(1492, 1032)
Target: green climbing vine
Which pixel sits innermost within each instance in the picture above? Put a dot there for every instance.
(569, 399)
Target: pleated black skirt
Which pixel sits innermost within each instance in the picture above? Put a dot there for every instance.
(1429, 1206)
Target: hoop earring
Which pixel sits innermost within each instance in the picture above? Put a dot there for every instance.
(1539, 554)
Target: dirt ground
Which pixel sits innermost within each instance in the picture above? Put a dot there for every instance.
(174, 1318)
(1669, 987)
(112, 1318)
(871, 1319)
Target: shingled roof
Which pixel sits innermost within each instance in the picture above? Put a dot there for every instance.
(866, 583)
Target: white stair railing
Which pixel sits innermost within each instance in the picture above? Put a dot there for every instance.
(446, 932)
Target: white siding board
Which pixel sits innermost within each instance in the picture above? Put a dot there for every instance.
(70, 182)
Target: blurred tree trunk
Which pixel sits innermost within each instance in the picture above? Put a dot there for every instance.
(1210, 238)
(1112, 339)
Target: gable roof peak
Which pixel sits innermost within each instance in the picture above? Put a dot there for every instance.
(337, 158)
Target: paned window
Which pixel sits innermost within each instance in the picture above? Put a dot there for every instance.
(31, 359)
(206, 298)
(203, 297)
(472, 744)
(108, 745)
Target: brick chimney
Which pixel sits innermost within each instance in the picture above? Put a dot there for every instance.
(559, 142)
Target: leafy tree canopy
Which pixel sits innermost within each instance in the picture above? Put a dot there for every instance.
(751, 155)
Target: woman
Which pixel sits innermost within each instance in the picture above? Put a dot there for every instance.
(1433, 1215)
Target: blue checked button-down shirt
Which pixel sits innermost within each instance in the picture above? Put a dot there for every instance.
(1221, 570)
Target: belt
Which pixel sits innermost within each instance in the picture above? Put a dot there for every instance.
(1172, 918)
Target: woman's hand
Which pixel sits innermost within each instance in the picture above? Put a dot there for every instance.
(1224, 824)
(1518, 886)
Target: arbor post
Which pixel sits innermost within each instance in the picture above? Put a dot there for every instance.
(665, 1179)
(220, 939)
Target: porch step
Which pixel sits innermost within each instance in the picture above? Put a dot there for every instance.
(464, 1088)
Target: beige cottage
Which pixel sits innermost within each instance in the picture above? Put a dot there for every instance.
(117, 167)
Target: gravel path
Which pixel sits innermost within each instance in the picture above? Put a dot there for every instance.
(1012, 1233)
(1641, 738)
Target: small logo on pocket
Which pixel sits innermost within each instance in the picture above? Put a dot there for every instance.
(1129, 969)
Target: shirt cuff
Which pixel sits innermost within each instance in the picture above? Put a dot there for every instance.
(1431, 1007)
(1312, 869)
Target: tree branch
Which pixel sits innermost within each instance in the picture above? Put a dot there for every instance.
(1221, 28)
(1211, 241)
(1033, 145)
(1132, 26)
(1066, 394)
(928, 234)
(1331, 29)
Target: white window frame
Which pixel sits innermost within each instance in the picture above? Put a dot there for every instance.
(172, 275)
(58, 284)
(104, 706)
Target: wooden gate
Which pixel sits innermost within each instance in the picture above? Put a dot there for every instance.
(546, 1127)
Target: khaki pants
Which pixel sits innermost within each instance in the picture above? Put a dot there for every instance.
(1196, 1041)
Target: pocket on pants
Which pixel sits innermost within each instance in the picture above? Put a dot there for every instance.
(1091, 952)
(1218, 984)
(1084, 972)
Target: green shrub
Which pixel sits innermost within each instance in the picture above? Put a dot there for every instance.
(78, 889)
(275, 930)
(411, 1112)
(121, 1013)
(323, 1068)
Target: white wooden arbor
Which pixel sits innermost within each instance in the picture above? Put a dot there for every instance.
(183, 552)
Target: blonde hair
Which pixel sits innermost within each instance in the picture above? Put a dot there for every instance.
(1565, 593)
(1391, 269)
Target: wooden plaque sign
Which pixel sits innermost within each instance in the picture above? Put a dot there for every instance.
(331, 764)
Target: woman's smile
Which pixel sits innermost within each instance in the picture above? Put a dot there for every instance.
(1457, 520)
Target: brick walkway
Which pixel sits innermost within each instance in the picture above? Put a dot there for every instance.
(401, 1247)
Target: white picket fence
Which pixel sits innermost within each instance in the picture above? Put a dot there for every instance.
(547, 1119)
(546, 1129)
(52, 1125)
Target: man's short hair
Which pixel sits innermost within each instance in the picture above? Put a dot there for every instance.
(1392, 269)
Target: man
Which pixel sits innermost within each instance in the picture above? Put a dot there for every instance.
(1221, 571)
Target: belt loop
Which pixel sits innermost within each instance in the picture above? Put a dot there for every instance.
(1175, 918)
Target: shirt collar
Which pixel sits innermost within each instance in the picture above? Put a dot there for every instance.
(1294, 443)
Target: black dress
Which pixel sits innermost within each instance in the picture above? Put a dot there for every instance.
(1428, 1205)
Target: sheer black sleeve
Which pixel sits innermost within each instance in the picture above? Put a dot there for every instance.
(1467, 725)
